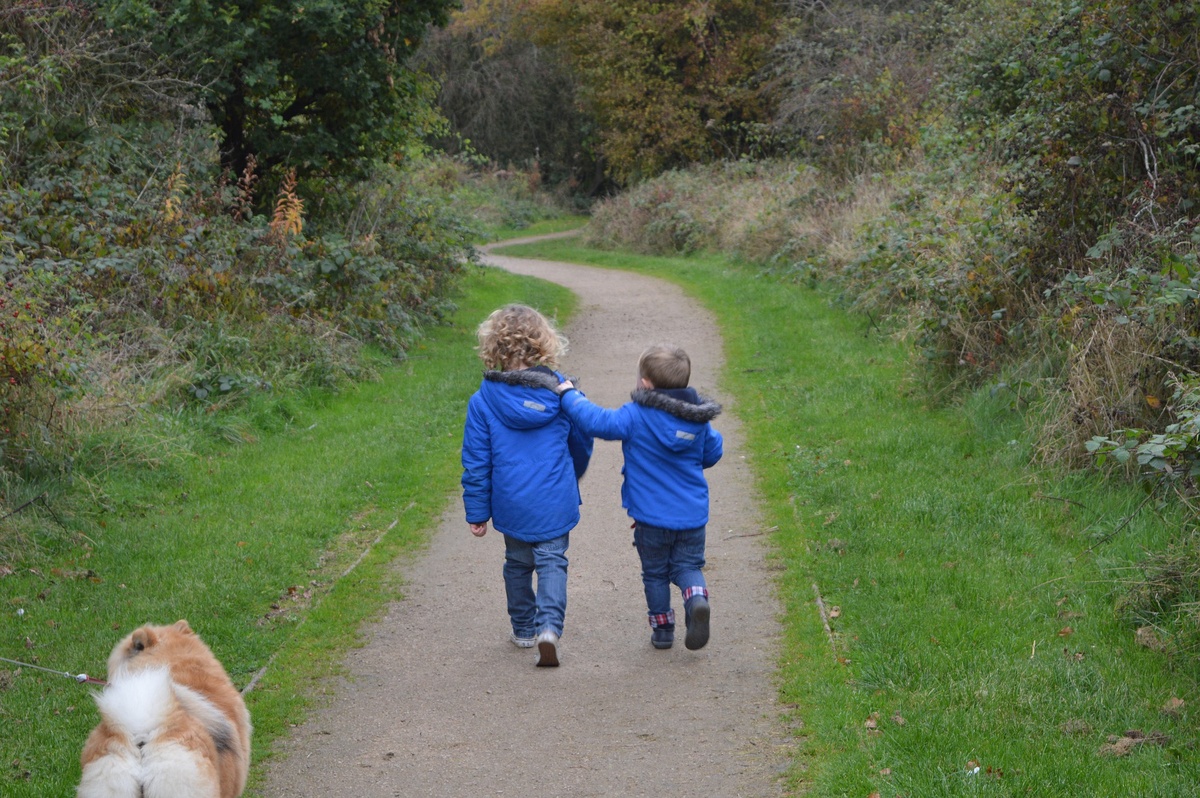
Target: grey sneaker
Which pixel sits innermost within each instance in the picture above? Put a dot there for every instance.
(522, 642)
(547, 645)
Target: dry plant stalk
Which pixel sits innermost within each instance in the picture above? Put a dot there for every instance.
(825, 621)
(288, 218)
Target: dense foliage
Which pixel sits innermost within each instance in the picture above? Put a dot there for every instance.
(140, 274)
(315, 86)
(511, 101)
(626, 87)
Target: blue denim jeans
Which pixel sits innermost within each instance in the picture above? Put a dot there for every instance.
(669, 556)
(533, 612)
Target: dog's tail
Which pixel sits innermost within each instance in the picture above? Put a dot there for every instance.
(143, 753)
(138, 705)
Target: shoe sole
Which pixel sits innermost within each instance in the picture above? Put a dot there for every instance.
(547, 654)
(697, 627)
(662, 646)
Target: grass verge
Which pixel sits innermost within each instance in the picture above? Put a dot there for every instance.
(276, 552)
(971, 646)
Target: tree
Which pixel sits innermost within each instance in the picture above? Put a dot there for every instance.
(670, 83)
(319, 85)
(506, 97)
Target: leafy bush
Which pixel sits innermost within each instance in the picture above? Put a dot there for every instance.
(1095, 105)
(142, 276)
(1168, 458)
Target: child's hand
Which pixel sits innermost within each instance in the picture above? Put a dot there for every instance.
(479, 530)
(564, 386)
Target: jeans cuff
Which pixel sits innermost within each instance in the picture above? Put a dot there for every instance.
(662, 619)
(695, 590)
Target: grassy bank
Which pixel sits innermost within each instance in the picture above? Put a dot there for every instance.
(275, 551)
(972, 648)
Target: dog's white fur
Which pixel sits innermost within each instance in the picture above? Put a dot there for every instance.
(172, 723)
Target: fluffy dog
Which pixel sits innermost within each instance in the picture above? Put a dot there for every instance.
(172, 723)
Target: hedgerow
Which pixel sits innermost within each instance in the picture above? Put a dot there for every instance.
(139, 274)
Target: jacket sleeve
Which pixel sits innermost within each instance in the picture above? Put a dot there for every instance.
(579, 444)
(714, 447)
(609, 425)
(477, 466)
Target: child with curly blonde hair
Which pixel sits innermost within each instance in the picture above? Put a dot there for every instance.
(522, 460)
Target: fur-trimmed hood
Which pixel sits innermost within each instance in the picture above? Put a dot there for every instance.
(683, 403)
(536, 377)
(522, 399)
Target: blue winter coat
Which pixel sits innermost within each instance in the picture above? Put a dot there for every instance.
(667, 441)
(522, 458)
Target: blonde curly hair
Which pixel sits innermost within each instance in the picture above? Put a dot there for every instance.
(518, 337)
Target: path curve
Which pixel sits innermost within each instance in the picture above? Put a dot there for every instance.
(439, 703)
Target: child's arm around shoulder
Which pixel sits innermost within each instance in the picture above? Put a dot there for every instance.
(610, 425)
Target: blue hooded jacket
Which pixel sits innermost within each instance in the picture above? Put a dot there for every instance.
(667, 441)
(522, 459)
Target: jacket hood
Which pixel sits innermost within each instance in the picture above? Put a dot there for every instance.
(688, 414)
(683, 403)
(523, 399)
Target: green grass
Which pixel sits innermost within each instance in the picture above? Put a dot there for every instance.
(275, 551)
(973, 592)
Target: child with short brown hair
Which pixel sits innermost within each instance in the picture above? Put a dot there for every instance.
(667, 441)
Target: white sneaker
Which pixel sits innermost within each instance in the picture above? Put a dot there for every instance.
(522, 642)
(547, 644)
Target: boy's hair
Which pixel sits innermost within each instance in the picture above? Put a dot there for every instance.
(665, 366)
(518, 337)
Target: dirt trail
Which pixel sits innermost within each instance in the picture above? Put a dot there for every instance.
(439, 703)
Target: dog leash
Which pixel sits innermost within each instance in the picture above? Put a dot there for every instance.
(81, 678)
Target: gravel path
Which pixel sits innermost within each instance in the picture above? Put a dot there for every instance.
(439, 703)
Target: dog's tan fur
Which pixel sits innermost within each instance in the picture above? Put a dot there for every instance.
(195, 741)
